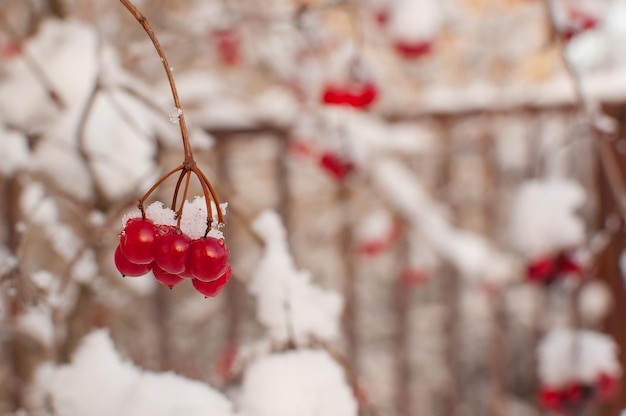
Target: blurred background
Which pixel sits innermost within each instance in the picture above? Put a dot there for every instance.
(454, 169)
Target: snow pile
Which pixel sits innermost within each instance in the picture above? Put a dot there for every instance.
(566, 356)
(44, 214)
(288, 304)
(99, 383)
(303, 383)
(415, 20)
(36, 322)
(193, 222)
(543, 217)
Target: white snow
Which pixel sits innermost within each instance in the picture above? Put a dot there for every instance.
(288, 303)
(43, 214)
(36, 321)
(544, 219)
(565, 356)
(301, 382)
(15, 152)
(193, 221)
(98, 382)
(415, 20)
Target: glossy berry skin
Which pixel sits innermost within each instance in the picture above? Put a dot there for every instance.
(128, 268)
(207, 259)
(212, 289)
(170, 251)
(137, 241)
(168, 279)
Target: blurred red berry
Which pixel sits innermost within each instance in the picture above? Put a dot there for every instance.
(541, 270)
(413, 50)
(551, 398)
(607, 386)
(337, 167)
(228, 45)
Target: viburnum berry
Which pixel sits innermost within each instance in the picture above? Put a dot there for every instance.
(168, 279)
(359, 96)
(607, 386)
(207, 259)
(213, 288)
(413, 50)
(137, 241)
(170, 251)
(127, 267)
(551, 398)
(547, 269)
(336, 166)
(228, 46)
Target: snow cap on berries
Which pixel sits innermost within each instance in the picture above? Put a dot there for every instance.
(193, 222)
(566, 356)
(544, 219)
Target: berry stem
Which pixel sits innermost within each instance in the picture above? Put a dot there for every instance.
(176, 189)
(157, 45)
(203, 179)
(209, 209)
(179, 213)
(155, 186)
(189, 164)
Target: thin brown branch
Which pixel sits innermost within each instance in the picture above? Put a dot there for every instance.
(170, 77)
(608, 161)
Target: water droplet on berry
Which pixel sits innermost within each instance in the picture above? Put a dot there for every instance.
(221, 242)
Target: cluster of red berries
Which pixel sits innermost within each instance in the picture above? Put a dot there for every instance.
(357, 96)
(549, 269)
(172, 256)
(576, 394)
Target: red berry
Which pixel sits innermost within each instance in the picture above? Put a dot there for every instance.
(228, 46)
(212, 289)
(541, 270)
(551, 398)
(336, 166)
(413, 50)
(608, 386)
(170, 251)
(137, 241)
(168, 279)
(207, 259)
(366, 95)
(335, 95)
(127, 267)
